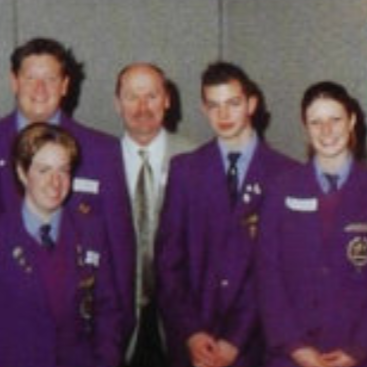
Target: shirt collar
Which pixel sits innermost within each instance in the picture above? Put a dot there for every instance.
(22, 121)
(32, 223)
(247, 150)
(342, 173)
(155, 148)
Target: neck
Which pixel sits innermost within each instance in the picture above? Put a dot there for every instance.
(239, 142)
(43, 215)
(144, 140)
(333, 165)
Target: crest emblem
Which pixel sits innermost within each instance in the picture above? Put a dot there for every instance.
(357, 251)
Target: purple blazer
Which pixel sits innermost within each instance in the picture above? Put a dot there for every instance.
(312, 287)
(83, 326)
(99, 187)
(204, 254)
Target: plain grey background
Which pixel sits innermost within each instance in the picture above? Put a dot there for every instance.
(285, 45)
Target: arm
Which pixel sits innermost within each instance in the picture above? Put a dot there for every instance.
(108, 325)
(277, 313)
(175, 298)
(121, 239)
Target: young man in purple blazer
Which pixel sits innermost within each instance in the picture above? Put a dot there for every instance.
(208, 229)
(40, 79)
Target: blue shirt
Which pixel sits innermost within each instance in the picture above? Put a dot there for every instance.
(342, 174)
(22, 121)
(32, 223)
(243, 163)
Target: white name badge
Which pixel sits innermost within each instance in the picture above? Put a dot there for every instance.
(301, 205)
(356, 228)
(92, 258)
(86, 185)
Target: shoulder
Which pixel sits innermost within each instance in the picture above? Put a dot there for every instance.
(86, 133)
(177, 144)
(7, 127)
(276, 157)
(196, 157)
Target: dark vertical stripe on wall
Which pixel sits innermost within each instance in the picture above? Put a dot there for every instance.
(15, 21)
(220, 28)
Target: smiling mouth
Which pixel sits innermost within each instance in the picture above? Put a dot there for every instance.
(225, 125)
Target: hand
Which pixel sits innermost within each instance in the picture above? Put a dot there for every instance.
(309, 357)
(338, 358)
(227, 353)
(203, 349)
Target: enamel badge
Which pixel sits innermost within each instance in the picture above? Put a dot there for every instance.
(357, 251)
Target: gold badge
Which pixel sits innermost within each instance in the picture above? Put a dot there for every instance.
(251, 222)
(84, 208)
(357, 251)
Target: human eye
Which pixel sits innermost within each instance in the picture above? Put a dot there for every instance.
(129, 97)
(210, 105)
(66, 170)
(313, 122)
(41, 169)
(336, 119)
(235, 102)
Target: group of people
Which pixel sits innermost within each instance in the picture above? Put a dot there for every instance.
(148, 251)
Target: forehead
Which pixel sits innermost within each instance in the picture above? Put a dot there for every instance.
(223, 91)
(44, 61)
(142, 78)
(51, 153)
(325, 105)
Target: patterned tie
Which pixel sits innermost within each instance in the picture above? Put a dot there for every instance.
(332, 180)
(144, 212)
(232, 176)
(45, 236)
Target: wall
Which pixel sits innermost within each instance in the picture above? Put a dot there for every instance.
(284, 44)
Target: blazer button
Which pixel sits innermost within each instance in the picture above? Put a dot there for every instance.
(224, 283)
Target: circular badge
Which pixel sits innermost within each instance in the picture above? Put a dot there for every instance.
(357, 251)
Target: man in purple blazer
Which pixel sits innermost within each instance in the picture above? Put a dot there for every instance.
(208, 228)
(40, 77)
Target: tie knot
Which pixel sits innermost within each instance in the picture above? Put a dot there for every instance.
(143, 154)
(45, 235)
(233, 158)
(332, 180)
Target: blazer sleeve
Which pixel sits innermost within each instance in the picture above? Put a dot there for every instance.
(175, 299)
(109, 323)
(277, 314)
(242, 318)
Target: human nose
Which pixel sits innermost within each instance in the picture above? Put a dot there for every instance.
(143, 104)
(326, 128)
(223, 112)
(40, 86)
(56, 180)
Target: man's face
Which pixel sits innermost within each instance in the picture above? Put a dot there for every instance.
(39, 87)
(229, 110)
(142, 103)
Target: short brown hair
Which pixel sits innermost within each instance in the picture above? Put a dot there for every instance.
(36, 135)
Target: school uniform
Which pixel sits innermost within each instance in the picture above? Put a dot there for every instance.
(312, 273)
(204, 250)
(98, 187)
(59, 306)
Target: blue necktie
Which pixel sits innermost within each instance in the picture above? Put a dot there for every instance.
(45, 236)
(232, 175)
(332, 180)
